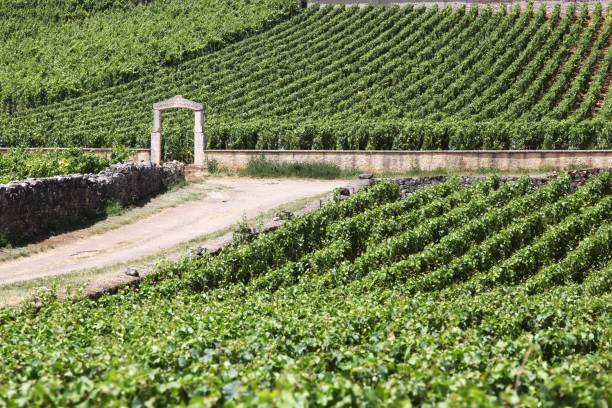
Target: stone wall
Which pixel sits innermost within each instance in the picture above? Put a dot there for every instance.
(400, 161)
(409, 185)
(31, 208)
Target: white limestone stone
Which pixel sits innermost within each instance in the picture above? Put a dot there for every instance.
(179, 102)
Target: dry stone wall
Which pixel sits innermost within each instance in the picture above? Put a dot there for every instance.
(34, 207)
(409, 185)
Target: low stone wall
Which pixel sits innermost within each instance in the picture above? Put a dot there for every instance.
(34, 207)
(409, 185)
(401, 161)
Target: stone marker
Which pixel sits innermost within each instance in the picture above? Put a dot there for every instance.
(132, 272)
(343, 191)
(197, 252)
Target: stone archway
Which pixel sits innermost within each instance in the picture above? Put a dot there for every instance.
(178, 102)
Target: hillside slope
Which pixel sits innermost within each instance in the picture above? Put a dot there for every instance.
(369, 78)
(51, 50)
(485, 295)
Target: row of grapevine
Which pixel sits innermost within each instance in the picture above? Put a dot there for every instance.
(366, 78)
(346, 240)
(504, 243)
(508, 304)
(474, 231)
(599, 281)
(54, 50)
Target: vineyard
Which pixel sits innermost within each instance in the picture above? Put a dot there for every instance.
(19, 164)
(364, 78)
(431, 291)
(478, 295)
(55, 49)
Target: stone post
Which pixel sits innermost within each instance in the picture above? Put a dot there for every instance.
(199, 143)
(156, 137)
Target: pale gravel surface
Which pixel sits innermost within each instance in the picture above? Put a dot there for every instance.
(166, 229)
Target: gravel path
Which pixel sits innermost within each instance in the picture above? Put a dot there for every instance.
(166, 229)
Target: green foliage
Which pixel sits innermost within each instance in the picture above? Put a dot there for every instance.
(488, 295)
(59, 10)
(213, 166)
(261, 167)
(599, 282)
(241, 233)
(112, 207)
(52, 50)
(19, 164)
(120, 154)
(416, 134)
(352, 78)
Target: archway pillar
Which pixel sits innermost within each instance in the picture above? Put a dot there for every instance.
(199, 140)
(156, 150)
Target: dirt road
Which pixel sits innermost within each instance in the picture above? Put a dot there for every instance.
(234, 198)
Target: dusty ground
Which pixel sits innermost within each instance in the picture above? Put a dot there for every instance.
(226, 202)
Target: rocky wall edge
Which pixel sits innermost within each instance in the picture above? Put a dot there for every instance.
(32, 208)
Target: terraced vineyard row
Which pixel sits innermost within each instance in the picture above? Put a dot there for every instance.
(369, 78)
(55, 49)
(482, 295)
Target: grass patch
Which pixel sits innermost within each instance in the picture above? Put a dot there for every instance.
(213, 166)
(113, 207)
(262, 167)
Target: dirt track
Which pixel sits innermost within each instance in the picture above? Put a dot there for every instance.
(166, 229)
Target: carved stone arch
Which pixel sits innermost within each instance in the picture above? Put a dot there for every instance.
(178, 102)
